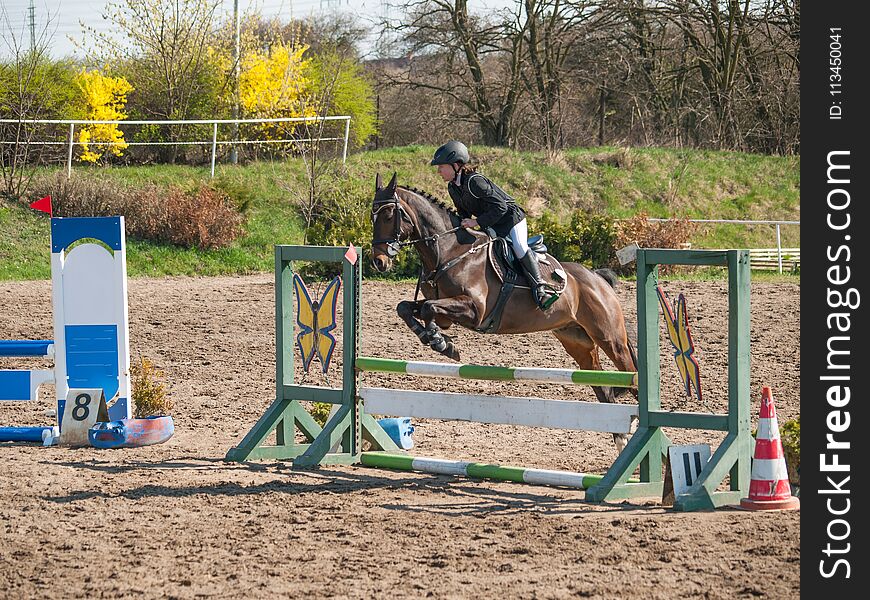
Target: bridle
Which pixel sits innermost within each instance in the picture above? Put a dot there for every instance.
(396, 243)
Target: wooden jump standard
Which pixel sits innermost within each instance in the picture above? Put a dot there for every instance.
(340, 440)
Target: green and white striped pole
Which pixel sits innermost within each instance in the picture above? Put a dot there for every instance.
(438, 466)
(434, 369)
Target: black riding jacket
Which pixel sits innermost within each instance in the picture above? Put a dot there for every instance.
(477, 196)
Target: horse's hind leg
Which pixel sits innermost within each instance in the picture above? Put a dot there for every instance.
(585, 353)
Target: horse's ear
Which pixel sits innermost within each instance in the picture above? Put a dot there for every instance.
(379, 185)
(393, 183)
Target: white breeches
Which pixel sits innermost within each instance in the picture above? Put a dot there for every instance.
(519, 235)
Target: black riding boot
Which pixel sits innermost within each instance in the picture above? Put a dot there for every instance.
(544, 295)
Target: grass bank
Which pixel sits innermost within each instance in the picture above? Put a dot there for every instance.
(617, 181)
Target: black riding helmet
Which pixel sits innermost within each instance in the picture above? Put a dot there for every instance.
(449, 153)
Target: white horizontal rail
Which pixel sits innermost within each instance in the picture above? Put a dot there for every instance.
(183, 143)
(778, 224)
(761, 258)
(736, 221)
(507, 410)
(71, 143)
(176, 122)
(770, 252)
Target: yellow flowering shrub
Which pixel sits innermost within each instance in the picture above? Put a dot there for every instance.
(104, 98)
(272, 84)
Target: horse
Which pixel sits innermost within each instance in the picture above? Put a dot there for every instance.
(460, 286)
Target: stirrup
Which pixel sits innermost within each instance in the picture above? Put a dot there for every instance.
(544, 305)
(550, 301)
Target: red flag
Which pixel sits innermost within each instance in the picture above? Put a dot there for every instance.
(43, 204)
(351, 255)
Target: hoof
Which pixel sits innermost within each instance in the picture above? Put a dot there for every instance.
(451, 352)
(620, 440)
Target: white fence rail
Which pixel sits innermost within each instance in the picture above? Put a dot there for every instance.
(783, 259)
(762, 255)
(71, 141)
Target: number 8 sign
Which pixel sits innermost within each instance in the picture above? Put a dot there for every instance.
(83, 408)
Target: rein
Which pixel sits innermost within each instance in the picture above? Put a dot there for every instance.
(439, 270)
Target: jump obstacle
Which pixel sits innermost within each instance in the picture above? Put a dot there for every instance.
(507, 410)
(339, 441)
(439, 466)
(90, 348)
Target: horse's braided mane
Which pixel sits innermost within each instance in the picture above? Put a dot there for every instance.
(431, 198)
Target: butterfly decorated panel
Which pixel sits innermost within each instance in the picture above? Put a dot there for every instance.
(316, 320)
(677, 323)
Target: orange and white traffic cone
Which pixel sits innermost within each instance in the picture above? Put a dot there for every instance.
(769, 488)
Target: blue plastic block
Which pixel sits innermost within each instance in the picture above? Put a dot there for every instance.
(399, 429)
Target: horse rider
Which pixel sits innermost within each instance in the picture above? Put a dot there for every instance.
(481, 203)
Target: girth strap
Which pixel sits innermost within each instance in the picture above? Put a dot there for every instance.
(492, 321)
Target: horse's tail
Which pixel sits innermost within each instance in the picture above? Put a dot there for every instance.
(633, 352)
(608, 275)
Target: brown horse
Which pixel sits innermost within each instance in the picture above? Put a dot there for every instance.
(460, 286)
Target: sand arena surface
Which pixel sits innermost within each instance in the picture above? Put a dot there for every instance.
(176, 521)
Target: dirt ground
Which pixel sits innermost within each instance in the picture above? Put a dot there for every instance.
(176, 521)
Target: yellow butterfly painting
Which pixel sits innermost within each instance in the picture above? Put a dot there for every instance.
(677, 322)
(316, 319)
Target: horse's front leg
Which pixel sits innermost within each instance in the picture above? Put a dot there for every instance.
(431, 335)
(409, 312)
(458, 309)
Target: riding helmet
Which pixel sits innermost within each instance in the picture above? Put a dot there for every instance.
(449, 153)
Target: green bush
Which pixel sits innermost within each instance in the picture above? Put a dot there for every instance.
(341, 215)
(343, 88)
(320, 412)
(583, 238)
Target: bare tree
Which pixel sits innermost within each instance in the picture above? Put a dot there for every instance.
(470, 59)
(711, 73)
(771, 69)
(551, 31)
(745, 54)
(32, 87)
(715, 34)
(341, 32)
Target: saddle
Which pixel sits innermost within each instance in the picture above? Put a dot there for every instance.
(506, 265)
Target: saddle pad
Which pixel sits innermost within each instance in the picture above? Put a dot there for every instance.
(548, 266)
